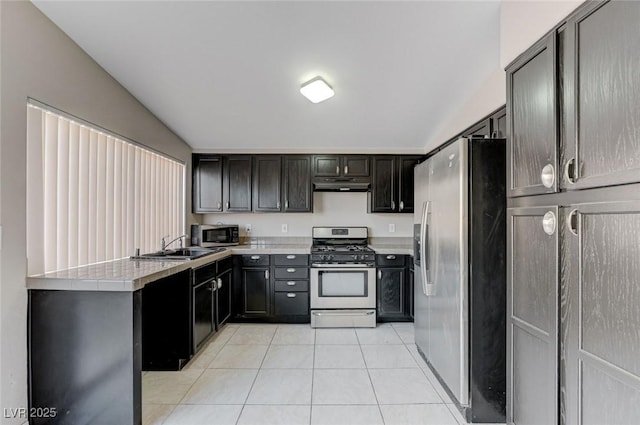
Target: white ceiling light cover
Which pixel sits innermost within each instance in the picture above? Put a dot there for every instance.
(317, 90)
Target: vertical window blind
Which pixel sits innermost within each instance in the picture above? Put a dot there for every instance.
(93, 197)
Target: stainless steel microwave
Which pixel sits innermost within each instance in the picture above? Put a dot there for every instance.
(208, 235)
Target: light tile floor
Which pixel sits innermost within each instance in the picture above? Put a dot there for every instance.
(295, 375)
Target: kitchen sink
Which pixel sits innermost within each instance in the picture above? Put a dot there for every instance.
(181, 254)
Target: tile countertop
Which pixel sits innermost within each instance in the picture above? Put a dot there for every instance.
(130, 275)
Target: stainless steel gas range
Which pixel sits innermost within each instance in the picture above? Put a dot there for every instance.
(343, 278)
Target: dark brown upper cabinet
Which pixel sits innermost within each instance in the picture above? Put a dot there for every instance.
(602, 95)
(237, 183)
(392, 184)
(499, 124)
(207, 183)
(482, 128)
(384, 191)
(531, 107)
(298, 191)
(267, 183)
(341, 166)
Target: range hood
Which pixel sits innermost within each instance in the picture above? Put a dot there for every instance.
(341, 184)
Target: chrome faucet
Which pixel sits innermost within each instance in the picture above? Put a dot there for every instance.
(164, 245)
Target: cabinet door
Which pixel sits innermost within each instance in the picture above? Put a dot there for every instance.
(298, 195)
(203, 313)
(255, 292)
(383, 196)
(531, 105)
(326, 166)
(405, 183)
(391, 292)
(499, 124)
(483, 128)
(223, 310)
(207, 184)
(267, 175)
(355, 166)
(600, 307)
(291, 303)
(603, 90)
(237, 183)
(532, 315)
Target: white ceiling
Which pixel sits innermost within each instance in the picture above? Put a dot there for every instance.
(225, 76)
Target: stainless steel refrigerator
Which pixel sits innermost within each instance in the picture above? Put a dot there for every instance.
(460, 273)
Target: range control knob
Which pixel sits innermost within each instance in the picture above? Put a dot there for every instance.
(329, 257)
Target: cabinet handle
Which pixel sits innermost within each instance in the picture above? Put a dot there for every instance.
(549, 223)
(291, 283)
(291, 257)
(391, 257)
(290, 295)
(548, 176)
(572, 222)
(255, 257)
(278, 205)
(266, 274)
(286, 204)
(228, 204)
(401, 205)
(393, 205)
(346, 170)
(379, 274)
(219, 205)
(570, 171)
(219, 283)
(337, 170)
(291, 270)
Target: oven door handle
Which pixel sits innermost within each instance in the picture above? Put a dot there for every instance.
(338, 313)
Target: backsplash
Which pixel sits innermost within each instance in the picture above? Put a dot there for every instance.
(330, 209)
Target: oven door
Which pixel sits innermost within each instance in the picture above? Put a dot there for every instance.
(348, 287)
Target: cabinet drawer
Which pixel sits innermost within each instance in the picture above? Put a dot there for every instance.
(255, 260)
(292, 272)
(204, 273)
(291, 260)
(225, 264)
(390, 260)
(291, 303)
(292, 285)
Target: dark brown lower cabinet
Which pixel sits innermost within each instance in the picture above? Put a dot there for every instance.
(256, 292)
(393, 290)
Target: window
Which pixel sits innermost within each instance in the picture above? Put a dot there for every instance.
(93, 196)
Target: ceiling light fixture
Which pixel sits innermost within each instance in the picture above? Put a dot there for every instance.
(316, 90)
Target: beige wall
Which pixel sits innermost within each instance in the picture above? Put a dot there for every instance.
(330, 209)
(523, 22)
(40, 61)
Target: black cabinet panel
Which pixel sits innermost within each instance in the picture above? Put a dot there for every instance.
(291, 303)
(390, 260)
(603, 92)
(203, 313)
(405, 183)
(292, 286)
(383, 188)
(290, 259)
(531, 104)
(291, 272)
(326, 166)
(255, 260)
(298, 192)
(255, 292)
(207, 184)
(341, 166)
(391, 292)
(355, 166)
(499, 124)
(223, 297)
(237, 183)
(267, 183)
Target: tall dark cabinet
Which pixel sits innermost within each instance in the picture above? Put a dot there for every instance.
(237, 183)
(298, 195)
(573, 259)
(207, 183)
(392, 183)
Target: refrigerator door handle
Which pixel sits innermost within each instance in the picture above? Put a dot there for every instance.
(424, 247)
